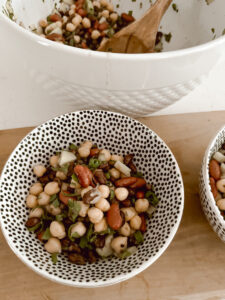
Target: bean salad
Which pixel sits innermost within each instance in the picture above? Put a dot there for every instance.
(83, 23)
(217, 178)
(89, 204)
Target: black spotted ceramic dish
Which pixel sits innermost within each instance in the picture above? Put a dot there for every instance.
(121, 135)
(208, 202)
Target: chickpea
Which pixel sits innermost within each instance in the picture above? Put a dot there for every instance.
(64, 186)
(53, 245)
(43, 199)
(104, 190)
(101, 226)
(125, 230)
(61, 175)
(104, 154)
(31, 201)
(129, 213)
(221, 204)
(113, 17)
(114, 173)
(105, 13)
(78, 228)
(84, 149)
(53, 210)
(86, 23)
(117, 158)
(36, 189)
(36, 212)
(95, 215)
(70, 27)
(83, 209)
(54, 161)
(110, 7)
(57, 229)
(76, 39)
(103, 205)
(141, 205)
(104, 2)
(121, 193)
(135, 222)
(52, 188)
(220, 184)
(85, 190)
(119, 244)
(95, 35)
(77, 20)
(43, 23)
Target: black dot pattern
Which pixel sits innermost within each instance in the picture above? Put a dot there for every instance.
(121, 135)
(209, 206)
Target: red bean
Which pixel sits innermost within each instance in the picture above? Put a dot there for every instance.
(114, 218)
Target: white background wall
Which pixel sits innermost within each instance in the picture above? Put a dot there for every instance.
(23, 104)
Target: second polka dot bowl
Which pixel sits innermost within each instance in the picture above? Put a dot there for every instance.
(208, 202)
(121, 135)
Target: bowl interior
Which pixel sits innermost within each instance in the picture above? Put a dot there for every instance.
(195, 22)
(120, 135)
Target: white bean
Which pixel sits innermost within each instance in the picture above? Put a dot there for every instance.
(36, 212)
(219, 157)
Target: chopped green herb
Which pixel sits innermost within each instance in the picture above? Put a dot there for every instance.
(89, 7)
(133, 0)
(124, 254)
(152, 198)
(93, 238)
(117, 5)
(70, 195)
(175, 8)
(56, 203)
(107, 231)
(112, 195)
(54, 257)
(168, 37)
(64, 168)
(130, 12)
(46, 234)
(73, 236)
(72, 147)
(74, 209)
(133, 200)
(53, 198)
(94, 163)
(139, 175)
(213, 30)
(110, 33)
(141, 4)
(84, 243)
(89, 232)
(139, 237)
(59, 218)
(107, 175)
(74, 177)
(223, 33)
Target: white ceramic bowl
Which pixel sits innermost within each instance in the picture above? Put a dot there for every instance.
(119, 134)
(133, 84)
(209, 206)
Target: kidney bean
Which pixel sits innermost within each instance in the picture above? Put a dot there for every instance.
(100, 176)
(126, 203)
(127, 18)
(140, 194)
(114, 218)
(91, 257)
(64, 199)
(74, 247)
(214, 169)
(213, 186)
(96, 27)
(54, 37)
(76, 258)
(100, 241)
(143, 227)
(32, 222)
(82, 12)
(103, 26)
(84, 175)
(126, 181)
(40, 235)
(55, 18)
(94, 152)
(138, 184)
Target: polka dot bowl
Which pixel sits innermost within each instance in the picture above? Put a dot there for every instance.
(120, 134)
(209, 206)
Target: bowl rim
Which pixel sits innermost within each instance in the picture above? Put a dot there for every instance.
(205, 173)
(119, 278)
(112, 56)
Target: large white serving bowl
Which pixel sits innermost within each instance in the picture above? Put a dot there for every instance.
(136, 84)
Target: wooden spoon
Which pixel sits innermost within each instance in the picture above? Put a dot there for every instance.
(139, 36)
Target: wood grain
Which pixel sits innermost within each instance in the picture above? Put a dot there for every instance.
(192, 267)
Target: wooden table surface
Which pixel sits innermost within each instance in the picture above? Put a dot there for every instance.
(192, 267)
